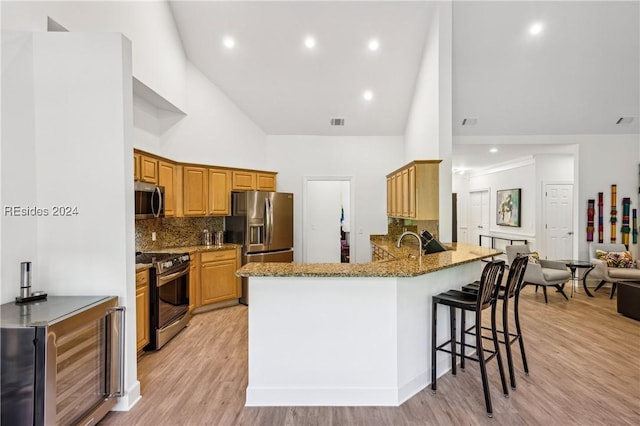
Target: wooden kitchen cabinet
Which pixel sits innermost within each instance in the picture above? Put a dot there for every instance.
(219, 192)
(142, 310)
(194, 281)
(148, 169)
(243, 180)
(136, 166)
(218, 281)
(167, 179)
(413, 191)
(265, 181)
(195, 190)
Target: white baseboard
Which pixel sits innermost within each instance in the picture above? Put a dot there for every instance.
(130, 398)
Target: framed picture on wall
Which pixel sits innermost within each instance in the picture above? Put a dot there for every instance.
(508, 207)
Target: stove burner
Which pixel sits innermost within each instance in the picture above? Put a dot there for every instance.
(152, 257)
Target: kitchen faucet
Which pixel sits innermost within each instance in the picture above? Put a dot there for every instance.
(404, 234)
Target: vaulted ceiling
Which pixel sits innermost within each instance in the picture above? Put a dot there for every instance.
(579, 75)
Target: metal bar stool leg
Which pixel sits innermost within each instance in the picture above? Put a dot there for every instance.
(483, 368)
(507, 340)
(519, 333)
(434, 326)
(496, 346)
(463, 332)
(452, 326)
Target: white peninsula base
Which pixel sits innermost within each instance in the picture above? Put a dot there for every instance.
(345, 341)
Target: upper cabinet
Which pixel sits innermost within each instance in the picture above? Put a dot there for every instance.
(265, 181)
(243, 180)
(148, 169)
(413, 191)
(219, 192)
(196, 189)
(167, 179)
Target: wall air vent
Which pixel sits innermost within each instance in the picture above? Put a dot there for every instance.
(624, 120)
(337, 121)
(469, 121)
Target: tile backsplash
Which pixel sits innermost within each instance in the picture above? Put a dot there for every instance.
(397, 226)
(174, 231)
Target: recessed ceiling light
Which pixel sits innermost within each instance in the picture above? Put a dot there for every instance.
(493, 150)
(310, 42)
(229, 42)
(535, 28)
(374, 45)
(367, 95)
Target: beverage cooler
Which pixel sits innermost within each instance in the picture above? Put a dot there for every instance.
(62, 360)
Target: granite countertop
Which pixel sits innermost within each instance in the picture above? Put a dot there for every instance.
(398, 266)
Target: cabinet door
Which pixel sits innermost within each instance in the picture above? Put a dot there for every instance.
(390, 196)
(405, 192)
(148, 169)
(266, 181)
(195, 190)
(398, 212)
(219, 192)
(167, 179)
(427, 190)
(142, 310)
(412, 192)
(136, 166)
(243, 180)
(194, 281)
(218, 281)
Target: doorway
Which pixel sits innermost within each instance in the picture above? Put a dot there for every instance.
(478, 216)
(558, 220)
(327, 220)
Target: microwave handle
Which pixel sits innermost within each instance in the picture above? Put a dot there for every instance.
(116, 372)
(156, 191)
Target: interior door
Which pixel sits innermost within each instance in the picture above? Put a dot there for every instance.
(478, 216)
(322, 222)
(558, 215)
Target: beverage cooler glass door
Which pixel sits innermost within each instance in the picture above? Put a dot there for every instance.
(87, 351)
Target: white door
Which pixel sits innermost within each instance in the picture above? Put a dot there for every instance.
(322, 221)
(478, 217)
(558, 227)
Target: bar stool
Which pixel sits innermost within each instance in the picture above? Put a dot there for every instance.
(486, 298)
(509, 291)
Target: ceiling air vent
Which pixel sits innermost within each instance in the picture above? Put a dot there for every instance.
(337, 121)
(624, 120)
(469, 121)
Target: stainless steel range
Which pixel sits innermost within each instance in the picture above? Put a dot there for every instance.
(169, 291)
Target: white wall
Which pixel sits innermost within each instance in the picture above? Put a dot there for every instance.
(366, 159)
(148, 24)
(428, 133)
(75, 139)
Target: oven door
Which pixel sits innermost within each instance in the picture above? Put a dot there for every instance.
(172, 295)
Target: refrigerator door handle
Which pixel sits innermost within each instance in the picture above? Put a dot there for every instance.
(268, 221)
(117, 356)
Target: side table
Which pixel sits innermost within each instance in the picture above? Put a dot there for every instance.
(573, 266)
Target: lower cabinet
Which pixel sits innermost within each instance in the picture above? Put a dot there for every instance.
(142, 309)
(194, 281)
(218, 281)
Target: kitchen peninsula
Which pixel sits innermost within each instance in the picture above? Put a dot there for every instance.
(349, 334)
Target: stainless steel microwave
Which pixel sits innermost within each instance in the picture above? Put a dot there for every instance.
(149, 200)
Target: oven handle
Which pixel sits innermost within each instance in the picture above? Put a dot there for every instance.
(164, 280)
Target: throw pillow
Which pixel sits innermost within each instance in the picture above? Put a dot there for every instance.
(616, 259)
(534, 257)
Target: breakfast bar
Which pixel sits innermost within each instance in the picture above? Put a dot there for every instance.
(349, 334)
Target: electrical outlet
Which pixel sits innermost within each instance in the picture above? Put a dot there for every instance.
(153, 236)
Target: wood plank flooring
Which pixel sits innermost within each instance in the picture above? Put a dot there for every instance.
(584, 361)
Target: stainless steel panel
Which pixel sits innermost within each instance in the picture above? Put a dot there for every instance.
(280, 221)
(17, 353)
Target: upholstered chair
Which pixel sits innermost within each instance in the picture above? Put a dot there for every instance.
(611, 271)
(541, 272)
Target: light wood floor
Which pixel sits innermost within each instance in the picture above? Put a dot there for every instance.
(584, 360)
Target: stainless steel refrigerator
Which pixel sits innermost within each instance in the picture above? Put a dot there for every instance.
(263, 223)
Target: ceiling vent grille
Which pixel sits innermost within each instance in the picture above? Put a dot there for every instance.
(469, 121)
(624, 120)
(337, 121)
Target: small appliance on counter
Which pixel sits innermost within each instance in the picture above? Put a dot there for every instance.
(25, 286)
(430, 244)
